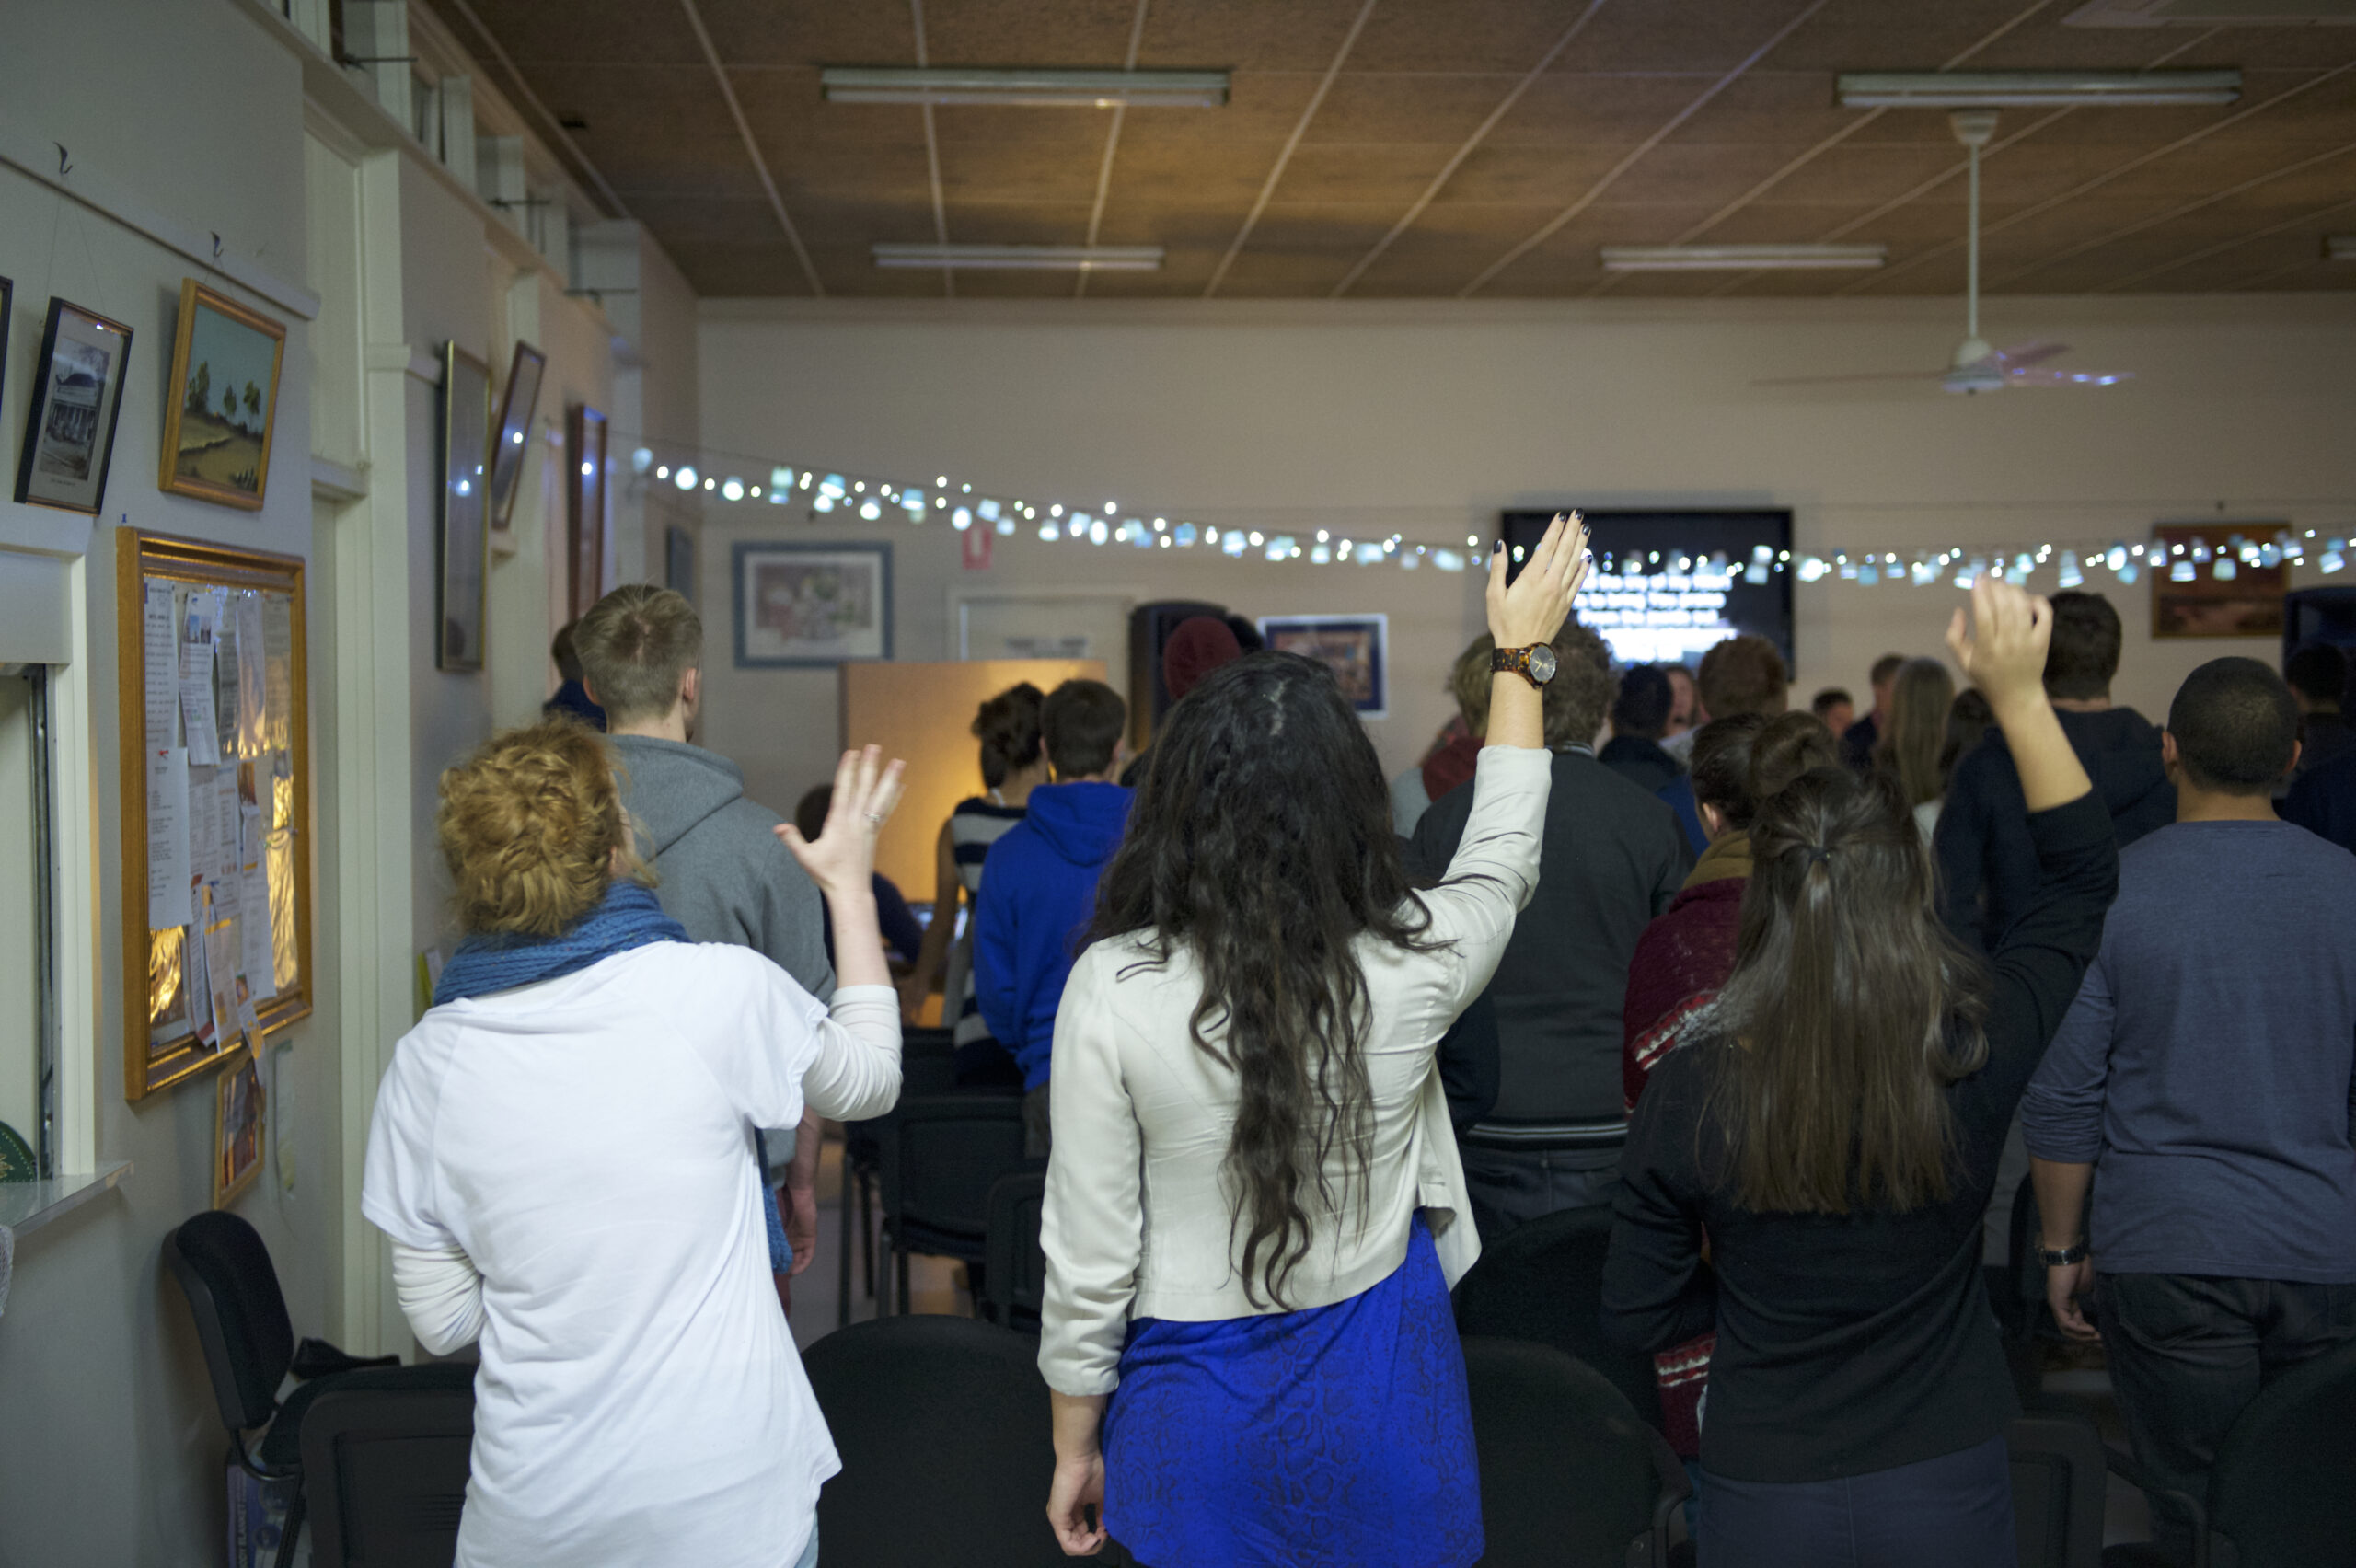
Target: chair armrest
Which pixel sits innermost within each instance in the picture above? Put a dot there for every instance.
(2123, 1466)
(318, 1358)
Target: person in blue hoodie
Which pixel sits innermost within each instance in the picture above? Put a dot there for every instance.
(1039, 884)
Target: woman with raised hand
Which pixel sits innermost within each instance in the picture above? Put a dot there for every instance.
(1833, 1125)
(1913, 738)
(1255, 1211)
(561, 1154)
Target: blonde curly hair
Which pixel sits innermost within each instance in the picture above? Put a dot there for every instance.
(530, 826)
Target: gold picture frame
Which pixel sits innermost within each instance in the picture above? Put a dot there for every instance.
(170, 1033)
(241, 1108)
(219, 456)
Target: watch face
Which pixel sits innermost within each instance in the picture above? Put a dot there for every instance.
(1541, 663)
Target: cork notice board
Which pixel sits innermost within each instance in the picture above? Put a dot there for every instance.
(216, 804)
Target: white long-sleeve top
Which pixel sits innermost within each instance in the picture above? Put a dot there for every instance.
(578, 1147)
(1138, 1219)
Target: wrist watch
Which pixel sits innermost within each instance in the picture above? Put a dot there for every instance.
(1534, 663)
(2054, 1258)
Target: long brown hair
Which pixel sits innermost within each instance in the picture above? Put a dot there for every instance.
(1916, 732)
(1849, 1013)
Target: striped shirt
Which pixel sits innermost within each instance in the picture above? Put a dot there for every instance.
(973, 826)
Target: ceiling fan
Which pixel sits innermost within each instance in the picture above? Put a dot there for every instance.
(1978, 365)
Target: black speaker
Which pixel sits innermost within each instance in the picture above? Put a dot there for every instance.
(1150, 627)
(2319, 614)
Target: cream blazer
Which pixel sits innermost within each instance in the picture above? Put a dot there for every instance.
(1137, 1218)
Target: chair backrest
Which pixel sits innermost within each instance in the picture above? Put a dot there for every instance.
(384, 1466)
(2059, 1481)
(1569, 1476)
(1015, 1284)
(927, 1061)
(1544, 1282)
(944, 1429)
(225, 1270)
(941, 1152)
(2284, 1490)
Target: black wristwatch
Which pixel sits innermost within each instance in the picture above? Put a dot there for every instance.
(1534, 663)
(2054, 1258)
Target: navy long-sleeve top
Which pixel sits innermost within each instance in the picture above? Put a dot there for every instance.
(1849, 1343)
(2207, 1070)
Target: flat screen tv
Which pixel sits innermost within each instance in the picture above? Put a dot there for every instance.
(1669, 584)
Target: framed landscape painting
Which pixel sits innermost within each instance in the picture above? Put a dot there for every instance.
(1352, 647)
(811, 607)
(76, 394)
(224, 399)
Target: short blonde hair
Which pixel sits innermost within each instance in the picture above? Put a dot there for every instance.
(528, 826)
(636, 644)
(1469, 683)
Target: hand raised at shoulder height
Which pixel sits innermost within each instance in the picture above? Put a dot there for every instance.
(843, 857)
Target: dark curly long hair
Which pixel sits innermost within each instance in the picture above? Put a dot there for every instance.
(1260, 843)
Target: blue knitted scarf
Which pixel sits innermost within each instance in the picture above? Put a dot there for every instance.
(627, 917)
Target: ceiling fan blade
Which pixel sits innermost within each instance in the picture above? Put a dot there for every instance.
(2066, 377)
(2021, 356)
(1831, 380)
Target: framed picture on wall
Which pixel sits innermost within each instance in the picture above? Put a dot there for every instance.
(222, 399)
(584, 506)
(679, 560)
(237, 1127)
(466, 542)
(811, 607)
(510, 437)
(1356, 647)
(2206, 589)
(77, 392)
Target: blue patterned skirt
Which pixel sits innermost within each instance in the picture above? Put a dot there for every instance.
(1337, 1435)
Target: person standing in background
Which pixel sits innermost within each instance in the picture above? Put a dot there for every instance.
(1448, 764)
(1913, 734)
(1741, 675)
(1836, 707)
(2318, 677)
(2208, 1071)
(1857, 741)
(1013, 763)
(1639, 719)
(1039, 885)
(1197, 645)
(1685, 714)
(572, 699)
(724, 874)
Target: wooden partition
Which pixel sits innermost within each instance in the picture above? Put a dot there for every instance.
(925, 713)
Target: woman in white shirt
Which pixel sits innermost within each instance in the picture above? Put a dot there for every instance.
(561, 1153)
(1255, 1211)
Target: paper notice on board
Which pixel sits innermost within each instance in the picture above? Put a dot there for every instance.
(228, 659)
(224, 809)
(203, 853)
(251, 670)
(196, 679)
(221, 977)
(260, 956)
(278, 669)
(167, 837)
(162, 685)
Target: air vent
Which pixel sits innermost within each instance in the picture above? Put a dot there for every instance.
(2214, 14)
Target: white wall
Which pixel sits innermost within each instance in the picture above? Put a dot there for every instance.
(110, 1451)
(1428, 418)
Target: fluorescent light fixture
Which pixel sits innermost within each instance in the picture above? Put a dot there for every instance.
(1738, 258)
(1025, 257)
(1082, 89)
(2340, 248)
(2033, 89)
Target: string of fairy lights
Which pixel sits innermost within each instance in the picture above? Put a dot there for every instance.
(819, 494)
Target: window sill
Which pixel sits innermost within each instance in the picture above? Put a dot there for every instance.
(25, 1206)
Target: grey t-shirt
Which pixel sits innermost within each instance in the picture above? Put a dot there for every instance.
(2208, 1069)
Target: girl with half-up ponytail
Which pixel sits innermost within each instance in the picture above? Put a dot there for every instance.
(1254, 1212)
(1832, 1125)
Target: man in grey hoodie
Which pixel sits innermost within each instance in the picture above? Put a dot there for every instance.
(724, 874)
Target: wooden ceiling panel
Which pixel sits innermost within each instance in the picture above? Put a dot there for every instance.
(2094, 199)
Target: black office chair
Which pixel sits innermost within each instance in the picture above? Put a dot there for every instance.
(928, 1065)
(941, 1152)
(2283, 1494)
(943, 1430)
(250, 1348)
(384, 1466)
(1570, 1477)
(1544, 1282)
(1014, 1278)
(2058, 1464)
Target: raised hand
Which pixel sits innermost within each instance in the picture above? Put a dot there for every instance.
(843, 858)
(2003, 652)
(1532, 609)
